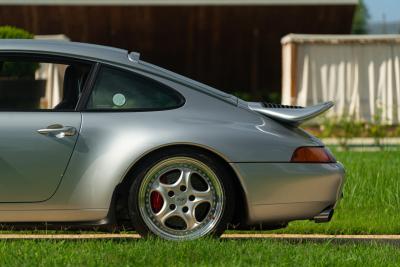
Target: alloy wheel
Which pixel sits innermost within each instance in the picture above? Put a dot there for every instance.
(181, 198)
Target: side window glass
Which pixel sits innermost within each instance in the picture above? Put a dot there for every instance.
(119, 89)
(29, 84)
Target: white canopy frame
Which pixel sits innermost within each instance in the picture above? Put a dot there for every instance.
(360, 73)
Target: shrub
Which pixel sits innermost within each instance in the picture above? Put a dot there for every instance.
(10, 32)
(16, 69)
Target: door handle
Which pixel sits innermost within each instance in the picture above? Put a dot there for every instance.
(58, 130)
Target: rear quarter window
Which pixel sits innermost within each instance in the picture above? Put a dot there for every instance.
(117, 89)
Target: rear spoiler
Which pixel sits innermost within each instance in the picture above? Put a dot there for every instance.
(293, 115)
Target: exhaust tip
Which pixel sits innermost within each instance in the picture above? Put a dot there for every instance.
(324, 216)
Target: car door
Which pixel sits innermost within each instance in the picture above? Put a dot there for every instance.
(37, 141)
(35, 148)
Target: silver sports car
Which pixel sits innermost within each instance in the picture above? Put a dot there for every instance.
(113, 140)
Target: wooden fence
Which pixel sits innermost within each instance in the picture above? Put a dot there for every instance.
(234, 48)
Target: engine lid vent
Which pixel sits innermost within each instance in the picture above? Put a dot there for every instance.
(273, 105)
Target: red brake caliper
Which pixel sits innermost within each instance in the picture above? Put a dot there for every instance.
(156, 201)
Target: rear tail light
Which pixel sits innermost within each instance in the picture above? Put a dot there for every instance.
(312, 154)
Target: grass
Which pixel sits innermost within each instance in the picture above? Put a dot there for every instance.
(371, 202)
(195, 253)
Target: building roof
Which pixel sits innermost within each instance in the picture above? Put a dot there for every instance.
(340, 38)
(178, 2)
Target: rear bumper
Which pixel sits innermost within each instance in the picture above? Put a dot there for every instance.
(283, 192)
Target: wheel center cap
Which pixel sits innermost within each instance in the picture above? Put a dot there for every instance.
(181, 199)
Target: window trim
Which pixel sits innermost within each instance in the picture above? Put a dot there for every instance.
(88, 87)
(60, 59)
(85, 101)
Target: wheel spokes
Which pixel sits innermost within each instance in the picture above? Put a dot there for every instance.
(164, 214)
(182, 186)
(189, 196)
(183, 182)
(201, 197)
(189, 219)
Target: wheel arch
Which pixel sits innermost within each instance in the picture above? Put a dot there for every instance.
(119, 203)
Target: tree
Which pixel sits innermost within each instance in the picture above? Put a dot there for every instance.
(360, 18)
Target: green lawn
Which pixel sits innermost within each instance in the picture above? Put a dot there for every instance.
(195, 253)
(371, 202)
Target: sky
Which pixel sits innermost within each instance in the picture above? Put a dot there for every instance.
(376, 9)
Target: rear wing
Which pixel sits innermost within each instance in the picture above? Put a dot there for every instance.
(293, 115)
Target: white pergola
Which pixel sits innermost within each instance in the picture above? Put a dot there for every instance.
(361, 73)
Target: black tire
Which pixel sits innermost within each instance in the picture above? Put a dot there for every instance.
(212, 162)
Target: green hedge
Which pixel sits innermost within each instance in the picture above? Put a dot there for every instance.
(10, 32)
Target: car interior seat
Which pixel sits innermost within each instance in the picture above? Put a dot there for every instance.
(71, 88)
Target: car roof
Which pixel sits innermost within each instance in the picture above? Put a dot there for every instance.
(103, 54)
(65, 48)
